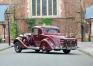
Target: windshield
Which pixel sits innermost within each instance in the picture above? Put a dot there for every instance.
(52, 31)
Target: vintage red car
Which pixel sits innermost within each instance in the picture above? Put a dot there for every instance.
(45, 38)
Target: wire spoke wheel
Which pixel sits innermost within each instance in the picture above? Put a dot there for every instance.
(37, 51)
(66, 51)
(44, 48)
(17, 48)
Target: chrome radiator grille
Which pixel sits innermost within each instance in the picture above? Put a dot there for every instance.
(69, 43)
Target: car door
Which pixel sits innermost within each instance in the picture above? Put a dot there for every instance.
(36, 36)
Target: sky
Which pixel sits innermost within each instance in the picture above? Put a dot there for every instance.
(89, 12)
(2, 11)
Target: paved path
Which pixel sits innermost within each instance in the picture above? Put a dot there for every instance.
(56, 58)
(86, 47)
(4, 46)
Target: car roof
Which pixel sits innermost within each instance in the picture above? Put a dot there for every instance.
(46, 27)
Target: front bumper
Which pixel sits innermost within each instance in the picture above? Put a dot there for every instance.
(69, 48)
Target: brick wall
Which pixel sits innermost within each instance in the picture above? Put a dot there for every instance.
(5, 1)
(1, 30)
(20, 14)
(72, 20)
(69, 9)
(88, 2)
(21, 9)
(67, 25)
(22, 26)
(91, 29)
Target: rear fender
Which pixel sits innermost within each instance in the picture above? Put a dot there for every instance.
(50, 43)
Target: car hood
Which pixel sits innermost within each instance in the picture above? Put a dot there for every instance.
(56, 39)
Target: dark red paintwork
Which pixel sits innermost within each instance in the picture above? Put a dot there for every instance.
(46, 38)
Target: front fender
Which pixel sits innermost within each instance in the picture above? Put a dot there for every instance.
(21, 43)
(50, 43)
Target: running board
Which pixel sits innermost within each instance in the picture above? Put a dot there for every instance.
(34, 48)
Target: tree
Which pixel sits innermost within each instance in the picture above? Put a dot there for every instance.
(31, 23)
(13, 30)
(46, 21)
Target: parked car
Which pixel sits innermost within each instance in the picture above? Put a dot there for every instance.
(45, 38)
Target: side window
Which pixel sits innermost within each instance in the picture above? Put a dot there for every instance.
(35, 31)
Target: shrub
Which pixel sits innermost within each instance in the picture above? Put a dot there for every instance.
(31, 23)
(47, 21)
(0, 40)
(13, 31)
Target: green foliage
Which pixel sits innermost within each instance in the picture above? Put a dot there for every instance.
(0, 40)
(13, 30)
(46, 21)
(31, 23)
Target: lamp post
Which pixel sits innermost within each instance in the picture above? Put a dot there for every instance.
(7, 18)
(10, 10)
